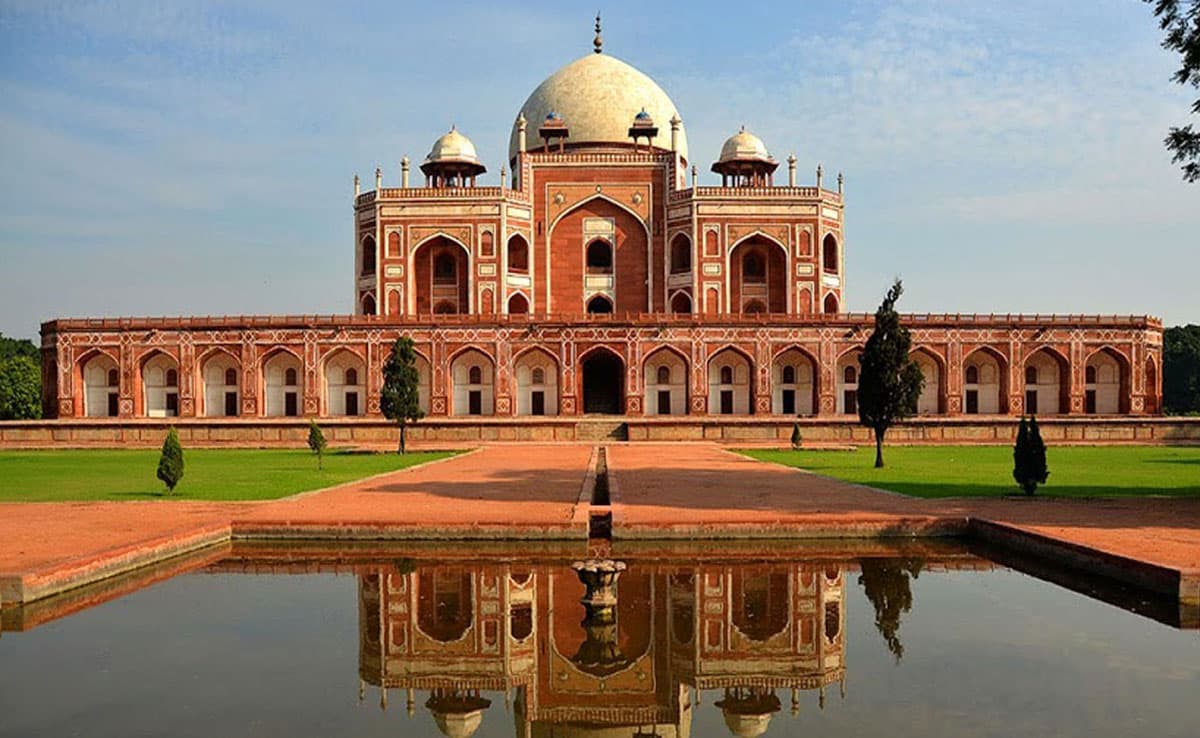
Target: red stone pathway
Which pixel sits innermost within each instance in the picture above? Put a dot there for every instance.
(531, 491)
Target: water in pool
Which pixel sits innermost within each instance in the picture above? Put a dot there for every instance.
(712, 640)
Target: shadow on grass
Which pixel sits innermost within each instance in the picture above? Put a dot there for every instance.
(937, 491)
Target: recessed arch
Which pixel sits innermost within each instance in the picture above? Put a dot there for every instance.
(599, 305)
(599, 256)
(518, 304)
(829, 254)
(681, 303)
(795, 382)
(988, 395)
(1106, 381)
(282, 373)
(605, 198)
(445, 603)
(932, 400)
(602, 381)
(537, 375)
(345, 375)
(730, 382)
(367, 253)
(433, 292)
(518, 254)
(95, 370)
(681, 254)
(666, 379)
(220, 395)
(830, 305)
(1047, 384)
(368, 305)
(473, 378)
(158, 374)
(757, 270)
(847, 382)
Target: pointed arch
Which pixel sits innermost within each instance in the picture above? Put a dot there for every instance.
(472, 381)
(1047, 381)
(602, 380)
(988, 395)
(605, 198)
(681, 253)
(933, 369)
(681, 303)
(428, 291)
(281, 372)
(795, 381)
(97, 395)
(1106, 381)
(669, 397)
(830, 305)
(537, 378)
(518, 254)
(845, 377)
(599, 305)
(518, 304)
(730, 381)
(367, 255)
(158, 381)
(220, 397)
(344, 374)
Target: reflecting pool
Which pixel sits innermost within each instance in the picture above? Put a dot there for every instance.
(715, 639)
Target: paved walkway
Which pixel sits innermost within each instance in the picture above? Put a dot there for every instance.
(532, 491)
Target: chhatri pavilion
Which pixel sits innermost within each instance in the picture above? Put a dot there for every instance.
(597, 277)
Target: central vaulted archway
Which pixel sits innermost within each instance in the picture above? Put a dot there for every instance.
(603, 383)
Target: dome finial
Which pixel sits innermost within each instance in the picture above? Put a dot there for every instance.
(598, 42)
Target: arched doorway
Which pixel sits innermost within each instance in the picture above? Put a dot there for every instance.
(440, 277)
(160, 387)
(518, 305)
(537, 383)
(758, 276)
(1106, 382)
(794, 386)
(600, 305)
(221, 378)
(1046, 391)
(101, 387)
(681, 303)
(930, 401)
(666, 378)
(984, 375)
(345, 389)
(603, 383)
(729, 384)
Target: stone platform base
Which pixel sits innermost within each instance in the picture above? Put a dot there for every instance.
(449, 432)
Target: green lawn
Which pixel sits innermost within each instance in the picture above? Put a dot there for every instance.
(209, 474)
(962, 471)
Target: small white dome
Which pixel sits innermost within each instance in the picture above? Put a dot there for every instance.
(453, 146)
(744, 146)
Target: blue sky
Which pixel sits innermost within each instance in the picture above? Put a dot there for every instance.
(196, 158)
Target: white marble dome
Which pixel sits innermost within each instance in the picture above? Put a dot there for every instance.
(743, 146)
(452, 146)
(597, 96)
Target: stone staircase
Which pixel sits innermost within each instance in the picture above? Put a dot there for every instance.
(602, 428)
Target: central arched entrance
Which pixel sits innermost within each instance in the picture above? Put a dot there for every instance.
(603, 383)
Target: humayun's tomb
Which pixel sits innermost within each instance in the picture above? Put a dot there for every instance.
(598, 278)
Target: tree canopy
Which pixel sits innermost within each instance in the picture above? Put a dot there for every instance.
(1181, 370)
(20, 379)
(890, 382)
(1180, 22)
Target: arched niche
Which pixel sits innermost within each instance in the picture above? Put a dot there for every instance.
(730, 383)
(665, 377)
(473, 379)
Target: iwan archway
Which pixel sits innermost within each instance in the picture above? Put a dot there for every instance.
(603, 383)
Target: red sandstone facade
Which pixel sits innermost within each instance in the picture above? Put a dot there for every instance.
(595, 279)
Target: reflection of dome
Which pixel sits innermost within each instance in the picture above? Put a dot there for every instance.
(597, 95)
(457, 715)
(452, 147)
(744, 146)
(748, 710)
(747, 726)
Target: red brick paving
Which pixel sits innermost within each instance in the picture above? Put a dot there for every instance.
(533, 489)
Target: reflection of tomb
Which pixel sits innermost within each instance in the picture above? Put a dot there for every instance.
(620, 660)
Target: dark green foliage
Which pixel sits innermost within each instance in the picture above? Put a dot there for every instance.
(316, 442)
(886, 584)
(1180, 19)
(20, 379)
(170, 464)
(796, 439)
(399, 398)
(10, 347)
(20, 389)
(1181, 370)
(890, 382)
(1029, 457)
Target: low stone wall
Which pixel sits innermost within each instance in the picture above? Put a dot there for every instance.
(350, 432)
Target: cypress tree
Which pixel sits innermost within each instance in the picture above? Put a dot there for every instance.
(316, 442)
(890, 383)
(400, 397)
(796, 439)
(170, 463)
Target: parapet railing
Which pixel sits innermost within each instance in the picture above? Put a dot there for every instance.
(532, 320)
(441, 193)
(809, 193)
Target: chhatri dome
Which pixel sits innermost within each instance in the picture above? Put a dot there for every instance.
(596, 96)
(453, 147)
(744, 146)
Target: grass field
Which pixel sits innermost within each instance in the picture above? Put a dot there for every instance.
(209, 474)
(962, 471)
